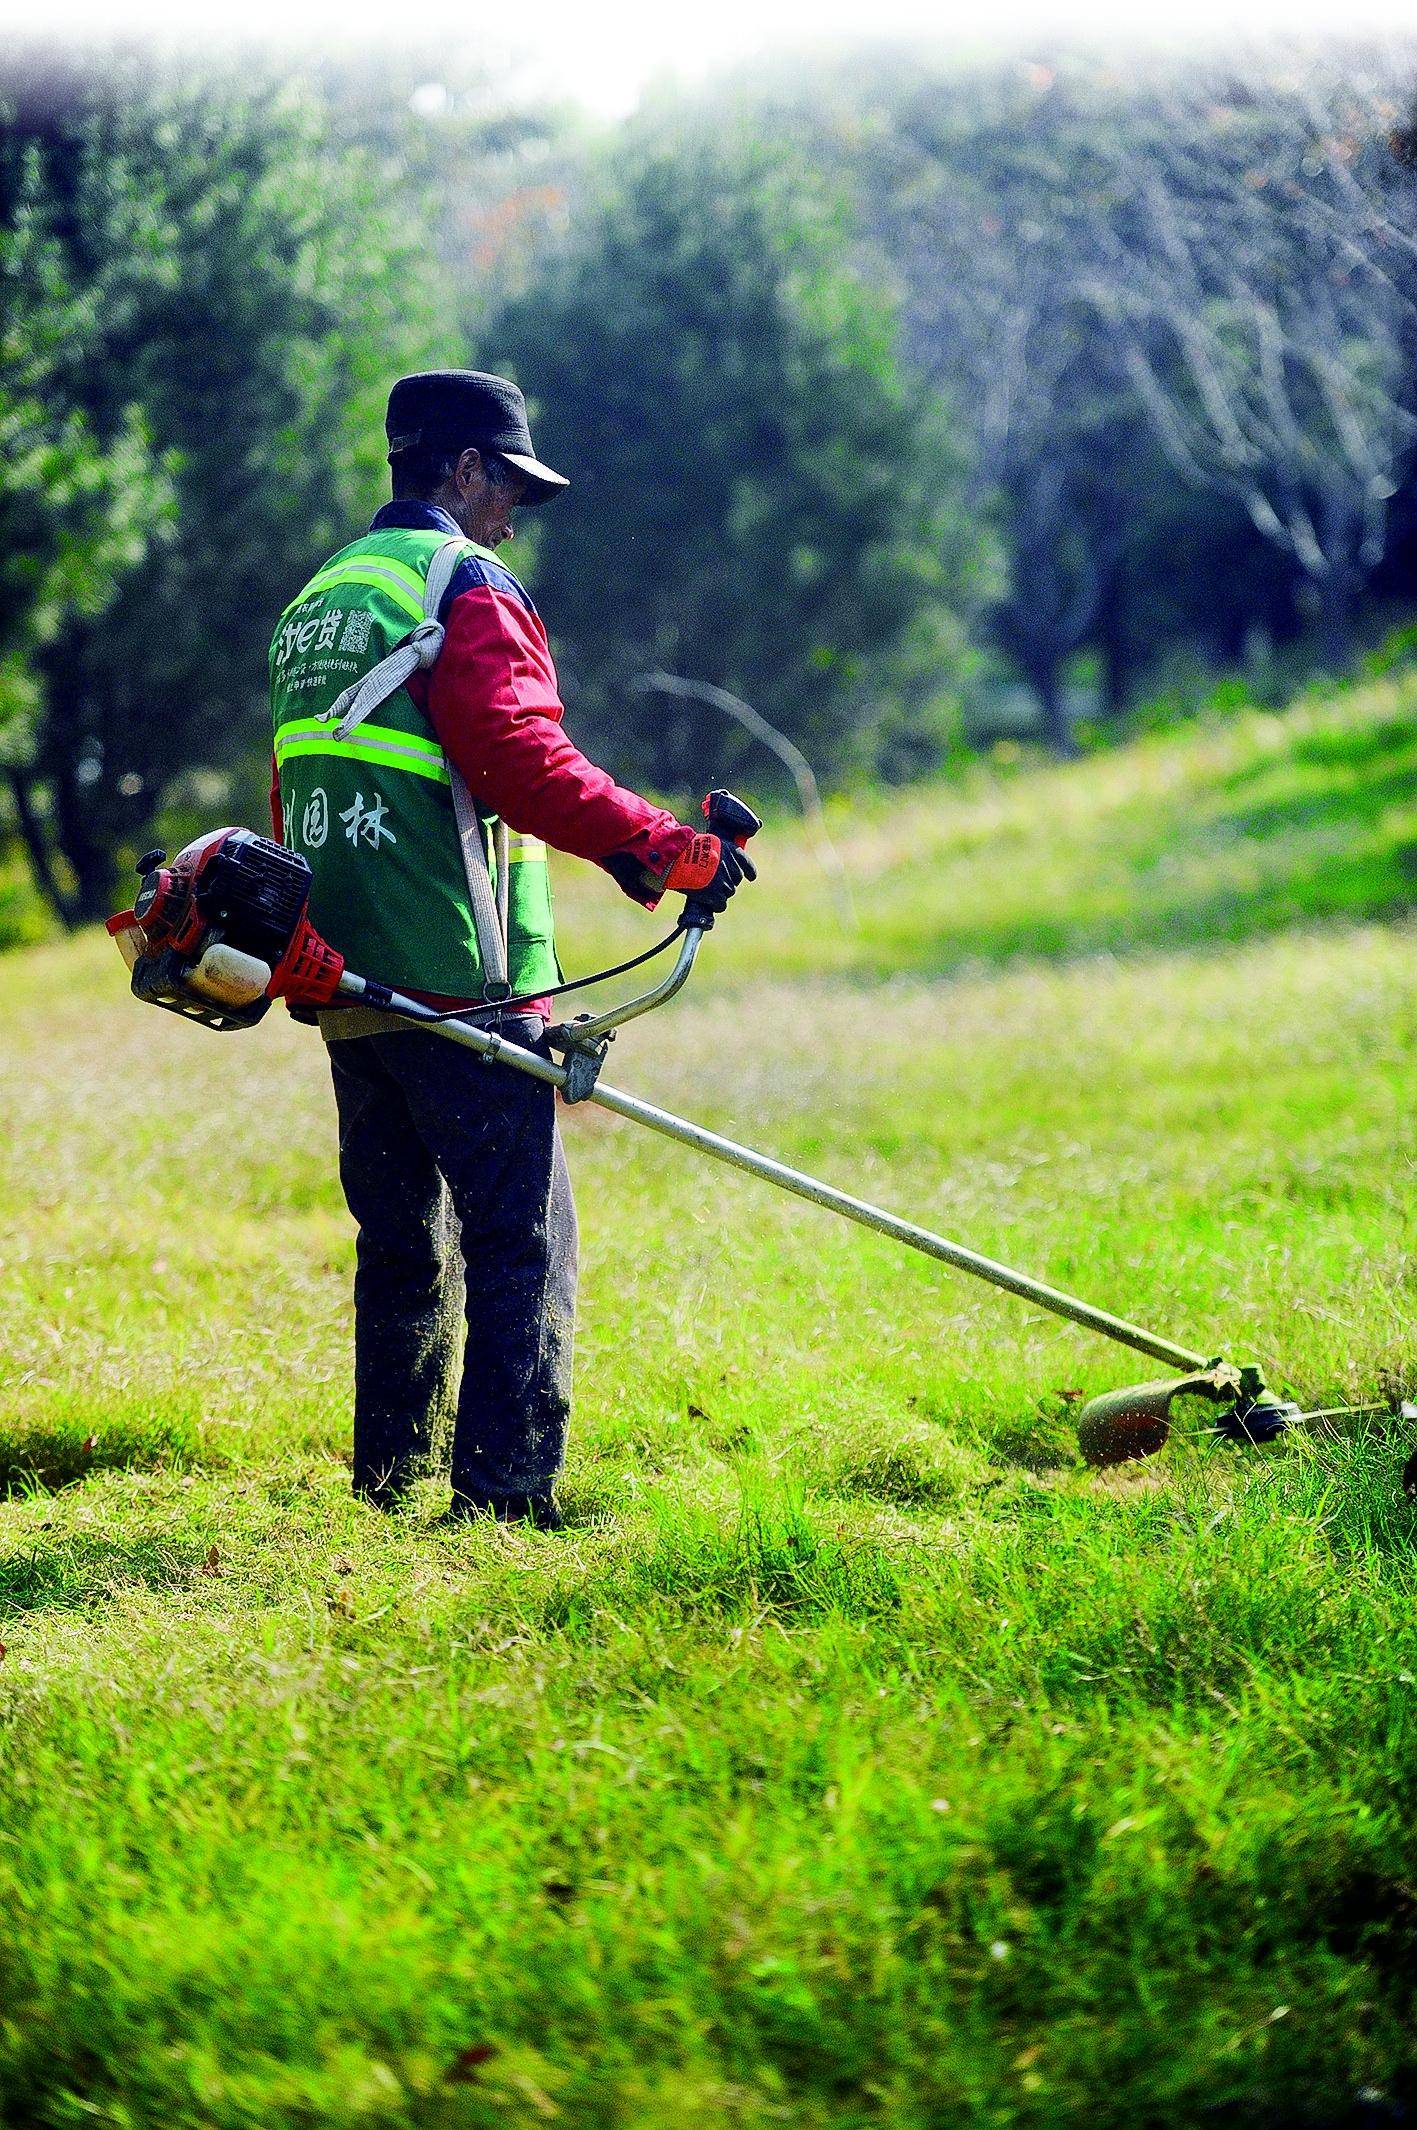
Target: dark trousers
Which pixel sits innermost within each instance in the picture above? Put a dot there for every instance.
(454, 1170)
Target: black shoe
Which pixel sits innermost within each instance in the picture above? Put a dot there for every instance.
(538, 1510)
(388, 1500)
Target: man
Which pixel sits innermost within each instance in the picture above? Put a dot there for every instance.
(440, 1153)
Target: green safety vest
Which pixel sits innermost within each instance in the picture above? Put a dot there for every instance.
(373, 813)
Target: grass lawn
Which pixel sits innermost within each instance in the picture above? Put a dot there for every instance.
(856, 1756)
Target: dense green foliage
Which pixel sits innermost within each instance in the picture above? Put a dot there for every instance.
(855, 1758)
(84, 499)
(219, 300)
(763, 498)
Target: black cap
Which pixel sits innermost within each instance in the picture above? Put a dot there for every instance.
(461, 407)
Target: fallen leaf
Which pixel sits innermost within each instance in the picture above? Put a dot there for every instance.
(1070, 1397)
(3, 1647)
(342, 1564)
(340, 1601)
(463, 2068)
(89, 1445)
(212, 1564)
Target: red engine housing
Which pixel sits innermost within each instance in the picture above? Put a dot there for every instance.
(231, 890)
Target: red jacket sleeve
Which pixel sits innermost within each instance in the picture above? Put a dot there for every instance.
(493, 700)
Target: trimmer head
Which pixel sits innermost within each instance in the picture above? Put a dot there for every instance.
(1255, 1416)
(1121, 1425)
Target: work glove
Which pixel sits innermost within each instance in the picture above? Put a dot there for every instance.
(709, 870)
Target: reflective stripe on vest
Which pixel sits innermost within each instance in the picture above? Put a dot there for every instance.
(388, 745)
(391, 578)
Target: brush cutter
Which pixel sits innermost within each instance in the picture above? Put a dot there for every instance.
(223, 930)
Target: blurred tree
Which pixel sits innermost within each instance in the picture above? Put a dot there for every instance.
(243, 297)
(978, 201)
(1015, 204)
(1404, 135)
(970, 186)
(484, 177)
(76, 508)
(1258, 266)
(762, 498)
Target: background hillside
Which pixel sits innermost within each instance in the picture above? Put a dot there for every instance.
(1241, 823)
(856, 1757)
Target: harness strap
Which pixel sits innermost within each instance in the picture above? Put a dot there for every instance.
(420, 649)
(487, 908)
(503, 842)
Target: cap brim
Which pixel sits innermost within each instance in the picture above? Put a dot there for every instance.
(542, 484)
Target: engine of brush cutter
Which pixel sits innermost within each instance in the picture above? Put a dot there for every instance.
(223, 929)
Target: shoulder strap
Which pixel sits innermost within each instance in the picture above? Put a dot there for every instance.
(487, 908)
(420, 649)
